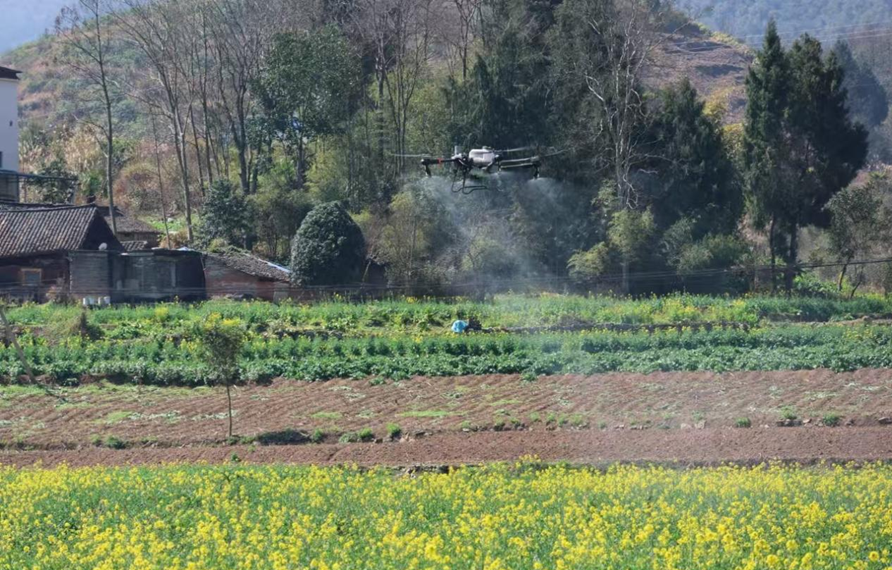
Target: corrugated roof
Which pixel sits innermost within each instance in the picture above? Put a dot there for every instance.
(252, 265)
(26, 232)
(137, 245)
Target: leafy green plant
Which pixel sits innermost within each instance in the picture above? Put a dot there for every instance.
(831, 419)
(743, 423)
(394, 431)
(788, 413)
(113, 442)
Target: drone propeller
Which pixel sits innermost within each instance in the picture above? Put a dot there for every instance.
(518, 149)
(411, 155)
(518, 161)
(555, 153)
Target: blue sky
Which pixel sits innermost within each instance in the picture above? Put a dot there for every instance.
(25, 20)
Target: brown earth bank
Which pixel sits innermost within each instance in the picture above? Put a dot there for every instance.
(592, 447)
(290, 411)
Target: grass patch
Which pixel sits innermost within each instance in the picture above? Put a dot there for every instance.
(327, 416)
(116, 417)
(430, 414)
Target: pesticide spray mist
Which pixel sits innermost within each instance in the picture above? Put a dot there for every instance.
(509, 233)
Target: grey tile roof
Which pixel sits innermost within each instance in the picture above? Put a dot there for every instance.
(26, 232)
(251, 265)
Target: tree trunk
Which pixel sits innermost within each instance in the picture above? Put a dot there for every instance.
(772, 248)
(160, 182)
(793, 253)
(625, 284)
(842, 276)
(182, 156)
(197, 146)
(109, 160)
(229, 408)
(11, 339)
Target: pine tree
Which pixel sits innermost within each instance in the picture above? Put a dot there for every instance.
(225, 216)
(697, 179)
(801, 147)
(767, 86)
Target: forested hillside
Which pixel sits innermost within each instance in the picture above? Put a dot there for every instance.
(865, 26)
(231, 120)
(828, 19)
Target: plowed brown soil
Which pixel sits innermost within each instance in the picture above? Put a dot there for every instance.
(663, 416)
(590, 447)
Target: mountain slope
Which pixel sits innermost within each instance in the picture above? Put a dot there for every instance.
(827, 19)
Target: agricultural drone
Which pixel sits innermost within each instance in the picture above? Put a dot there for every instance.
(468, 166)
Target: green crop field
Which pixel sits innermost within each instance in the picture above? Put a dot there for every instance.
(400, 339)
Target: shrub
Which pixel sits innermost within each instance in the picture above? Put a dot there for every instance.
(113, 442)
(328, 249)
(831, 420)
(528, 377)
(365, 434)
(743, 423)
(788, 413)
(225, 216)
(394, 431)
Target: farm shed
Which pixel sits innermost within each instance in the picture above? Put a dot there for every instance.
(35, 244)
(139, 276)
(238, 273)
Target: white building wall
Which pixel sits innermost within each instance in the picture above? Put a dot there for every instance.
(9, 123)
(9, 134)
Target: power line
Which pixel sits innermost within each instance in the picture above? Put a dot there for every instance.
(663, 276)
(801, 31)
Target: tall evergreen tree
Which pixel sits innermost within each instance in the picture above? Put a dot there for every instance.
(800, 145)
(697, 179)
(506, 102)
(767, 86)
(868, 101)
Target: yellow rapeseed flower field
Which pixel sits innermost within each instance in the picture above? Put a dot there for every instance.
(523, 516)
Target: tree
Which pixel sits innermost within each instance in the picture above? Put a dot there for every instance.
(506, 101)
(629, 234)
(697, 179)
(868, 100)
(767, 87)
(860, 224)
(602, 48)
(328, 249)
(57, 185)
(241, 32)
(85, 45)
(801, 147)
(160, 31)
(225, 216)
(398, 34)
(221, 341)
(308, 88)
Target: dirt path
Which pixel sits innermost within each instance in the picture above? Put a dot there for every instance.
(593, 447)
